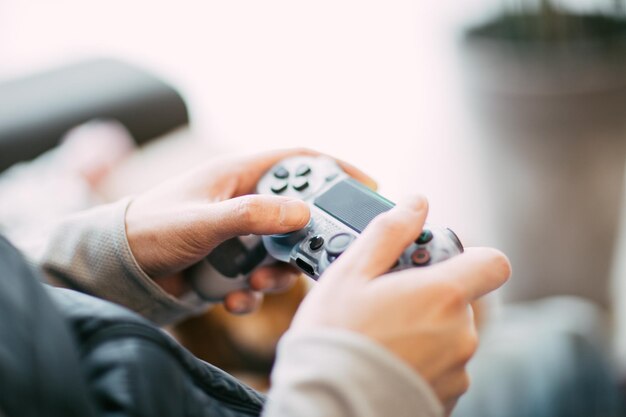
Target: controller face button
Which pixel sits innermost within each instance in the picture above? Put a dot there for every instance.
(279, 186)
(420, 257)
(300, 184)
(338, 244)
(425, 237)
(281, 172)
(316, 242)
(303, 170)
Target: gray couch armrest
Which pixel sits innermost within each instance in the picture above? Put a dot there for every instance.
(36, 111)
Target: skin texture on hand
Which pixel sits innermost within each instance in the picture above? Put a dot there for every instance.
(178, 223)
(422, 315)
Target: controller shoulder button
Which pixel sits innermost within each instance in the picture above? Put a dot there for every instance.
(455, 239)
(424, 237)
(420, 257)
(279, 186)
(300, 184)
(281, 172)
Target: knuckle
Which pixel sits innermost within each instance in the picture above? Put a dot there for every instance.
(247, 209)
(464, 382)
(305, 150)
(468, 346)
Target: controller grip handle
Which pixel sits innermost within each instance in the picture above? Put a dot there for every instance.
(210, 285)
(228, 267)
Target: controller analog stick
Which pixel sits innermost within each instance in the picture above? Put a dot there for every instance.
(292, 238)
(338, 244)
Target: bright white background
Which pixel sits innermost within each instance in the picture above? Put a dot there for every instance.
(373, 82)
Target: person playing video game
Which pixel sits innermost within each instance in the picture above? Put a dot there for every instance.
(364, 342)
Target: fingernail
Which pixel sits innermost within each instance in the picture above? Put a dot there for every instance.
(370, 183)
(264, 283)
(294, 213)
(277, 283)
(241, 306)
(420, 202)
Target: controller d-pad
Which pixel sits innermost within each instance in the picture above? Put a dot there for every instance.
(420, 257)
(300, 184)
(281, 172)
(279, 186)
(303, 170)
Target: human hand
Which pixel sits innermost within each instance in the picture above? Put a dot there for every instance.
(178, 223)
(422, 315)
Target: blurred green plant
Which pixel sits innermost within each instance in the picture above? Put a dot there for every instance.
(545, 20)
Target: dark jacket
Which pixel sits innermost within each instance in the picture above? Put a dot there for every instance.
(64, 353)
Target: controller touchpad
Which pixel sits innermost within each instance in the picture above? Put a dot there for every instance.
(353, 204)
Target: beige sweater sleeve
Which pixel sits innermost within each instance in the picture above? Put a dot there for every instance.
(89, 252)
(333, 373)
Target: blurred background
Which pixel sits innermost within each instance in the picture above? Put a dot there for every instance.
(370, 82)
(516, 144)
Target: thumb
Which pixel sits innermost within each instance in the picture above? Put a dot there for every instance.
(257, 214)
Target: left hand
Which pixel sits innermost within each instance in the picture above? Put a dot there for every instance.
(180, 222)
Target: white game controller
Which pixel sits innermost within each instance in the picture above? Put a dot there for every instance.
(341, 208)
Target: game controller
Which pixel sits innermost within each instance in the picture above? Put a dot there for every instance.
(341, 208)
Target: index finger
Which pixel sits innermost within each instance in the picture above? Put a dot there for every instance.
(256, 166)
(477, 272)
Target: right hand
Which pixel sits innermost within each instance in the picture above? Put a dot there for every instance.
(422, 315)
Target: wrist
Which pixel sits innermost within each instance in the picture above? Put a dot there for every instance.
(135, 235)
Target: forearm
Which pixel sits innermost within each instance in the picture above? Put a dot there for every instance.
(330, 373)
(90, 253)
